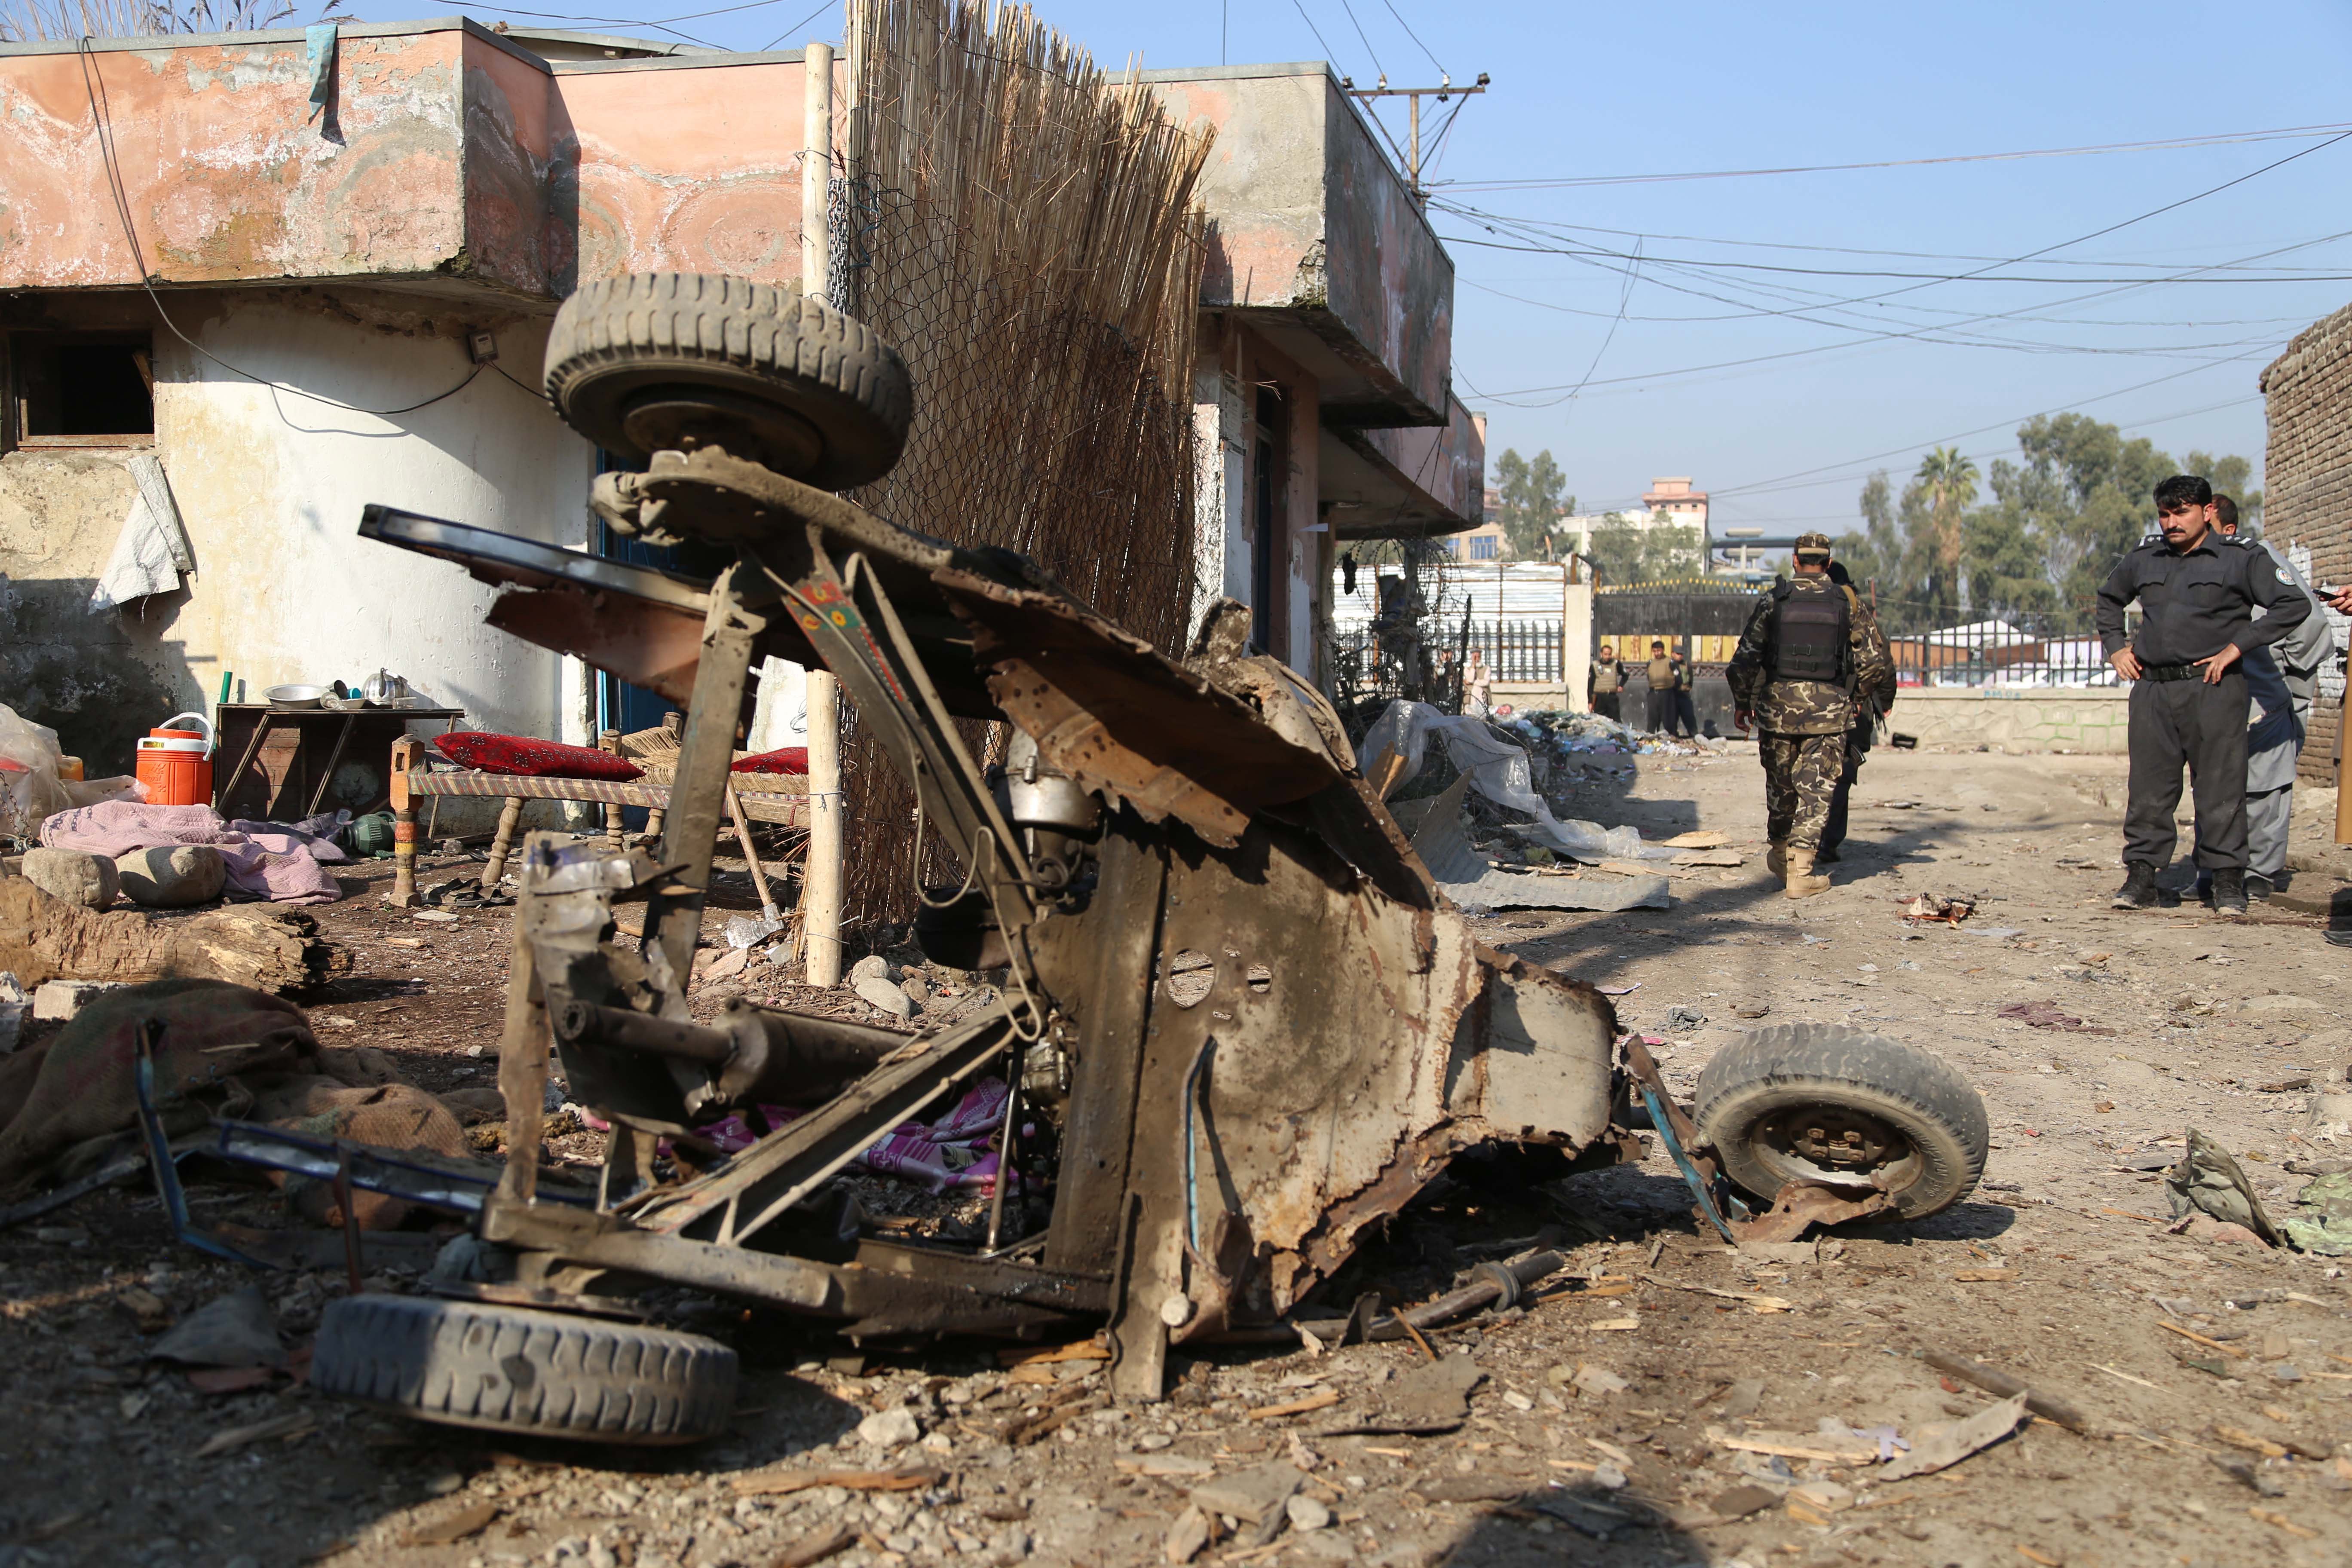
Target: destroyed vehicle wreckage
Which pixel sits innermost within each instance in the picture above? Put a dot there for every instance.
(1242, 1018)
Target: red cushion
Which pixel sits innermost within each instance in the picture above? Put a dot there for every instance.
(783, 759)
(520, 754)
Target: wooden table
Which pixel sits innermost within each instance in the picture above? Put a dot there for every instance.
(286, 758)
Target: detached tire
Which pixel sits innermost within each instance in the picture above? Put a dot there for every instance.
(512, 1369)
(1800, 1101)
(647, 361)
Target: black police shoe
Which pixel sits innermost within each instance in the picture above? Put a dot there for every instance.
(2139, 891)
(2258, 886)
(2229, 891)
(1826, 855)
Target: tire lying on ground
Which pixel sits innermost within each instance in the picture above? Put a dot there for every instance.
(652, 360)
(512, 1369)
(1801, 1102)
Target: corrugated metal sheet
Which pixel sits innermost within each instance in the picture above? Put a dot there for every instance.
(1514, 590)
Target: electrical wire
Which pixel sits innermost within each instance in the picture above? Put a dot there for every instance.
(94, 84)
(1328, 52)
(1919, 333)
(1414, 36)
(2162, 144)
(823, 5)
(1624, 298)
(1350, 10)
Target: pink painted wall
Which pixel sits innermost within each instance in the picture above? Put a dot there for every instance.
(452, 155)
(225, 181)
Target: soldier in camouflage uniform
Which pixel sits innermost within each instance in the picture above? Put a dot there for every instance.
(1809, 646)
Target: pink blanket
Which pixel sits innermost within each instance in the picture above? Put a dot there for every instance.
(266, 860)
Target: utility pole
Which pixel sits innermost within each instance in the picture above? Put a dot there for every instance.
(1413, 96)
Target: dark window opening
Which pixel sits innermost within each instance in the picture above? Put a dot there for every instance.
(73, 385)
(1265, 532)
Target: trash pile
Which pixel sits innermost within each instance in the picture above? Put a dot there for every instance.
(1563, 734)
(1543, 871)
(1394, 749)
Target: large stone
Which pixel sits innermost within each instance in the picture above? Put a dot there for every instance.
(885, 996)
(88, 881)
(174, 876)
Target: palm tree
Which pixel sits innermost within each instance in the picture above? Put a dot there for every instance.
(1949, 481)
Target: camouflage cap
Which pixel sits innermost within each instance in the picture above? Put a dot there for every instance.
(1813, 545)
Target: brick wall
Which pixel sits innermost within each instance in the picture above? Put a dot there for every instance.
(2307, 488)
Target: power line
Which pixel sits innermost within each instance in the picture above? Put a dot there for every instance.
(1917, 334)
(1328, 52)
(823, 7)
(2162, 144)
(1414, 36)
(1350, 10)
(1760, 486)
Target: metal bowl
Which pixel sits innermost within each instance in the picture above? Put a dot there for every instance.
(294, 696)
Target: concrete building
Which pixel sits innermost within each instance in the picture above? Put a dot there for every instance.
(1325, 402)
(312, 267)
(337, 249)
(2307, 495)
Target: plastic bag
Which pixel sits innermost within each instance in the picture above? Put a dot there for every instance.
(1498, 770)
(29, 764)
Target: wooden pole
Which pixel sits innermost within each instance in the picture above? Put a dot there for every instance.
(2343, 751)
(821, 876)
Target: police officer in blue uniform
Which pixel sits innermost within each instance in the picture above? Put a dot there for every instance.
(2197, 594)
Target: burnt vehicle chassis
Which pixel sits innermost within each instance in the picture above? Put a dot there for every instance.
(1247, 1022)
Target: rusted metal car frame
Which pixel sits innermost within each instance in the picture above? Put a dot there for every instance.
(1227, 979)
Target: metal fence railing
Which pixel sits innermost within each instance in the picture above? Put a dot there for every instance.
(1954, 658)
(1517, 650)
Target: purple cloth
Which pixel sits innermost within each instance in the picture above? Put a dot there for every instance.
(266, 860)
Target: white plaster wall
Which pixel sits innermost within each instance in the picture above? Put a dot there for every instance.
(1220, 545)
(270, 485)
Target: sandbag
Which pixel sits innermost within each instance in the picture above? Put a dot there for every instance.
(83, 1084)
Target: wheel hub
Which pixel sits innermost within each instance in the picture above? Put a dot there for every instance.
(1836, 1139)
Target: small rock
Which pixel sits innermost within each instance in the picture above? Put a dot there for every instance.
(1741, 1500)
(174, 876)
(58, 1000)
(1608, 1476)
(1307, 1513)
(1251, 1494)
(88, 881)
(873, 963)
(872, 988)
(2277, 1003)
(2284, 1372)
(1152, 1442)
(1186, 1536)
(892, 1428)
(1518, 1401)
(1598, 1380)
(1742, 1397)
(917, 989)
(437, 917)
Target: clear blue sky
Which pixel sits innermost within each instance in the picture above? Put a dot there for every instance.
(1587, 91)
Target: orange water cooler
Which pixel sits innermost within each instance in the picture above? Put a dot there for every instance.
(176, 765)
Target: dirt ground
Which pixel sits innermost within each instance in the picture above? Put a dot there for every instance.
(1601, 1431)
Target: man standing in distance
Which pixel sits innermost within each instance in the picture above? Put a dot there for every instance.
(2197, 596)
(1604, 683)
(1662, 677)
(2280, 681)
(1809, 645)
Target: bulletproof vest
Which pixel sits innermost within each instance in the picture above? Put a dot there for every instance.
(1606, 675)
(1810, 635)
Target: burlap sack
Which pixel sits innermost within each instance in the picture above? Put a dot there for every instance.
(82, 1085)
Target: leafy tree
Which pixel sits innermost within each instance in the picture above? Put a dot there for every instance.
(2055, 524)
(1533, 496)
(2234, 478)
(1875, 554)
(1625, 551)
